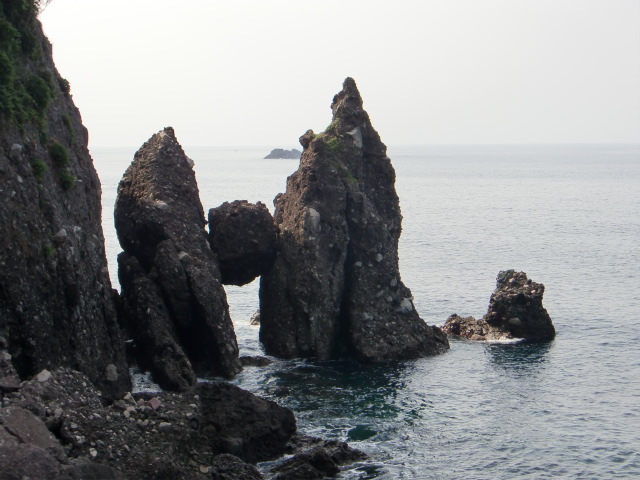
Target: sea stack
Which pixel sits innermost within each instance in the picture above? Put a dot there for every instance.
(335, 288)
(174, 303)
(515, 312)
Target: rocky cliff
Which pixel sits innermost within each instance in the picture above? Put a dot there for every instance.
(174, 304)
(335, 285)
(56, 303)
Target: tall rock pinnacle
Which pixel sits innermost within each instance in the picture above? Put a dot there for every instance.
(174, 302)
(335, 287)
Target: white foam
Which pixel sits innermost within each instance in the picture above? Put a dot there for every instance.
(142, 382)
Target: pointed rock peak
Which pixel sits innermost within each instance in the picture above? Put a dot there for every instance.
(348, 101)
(167, 134)
(167, 131)
(164, 143)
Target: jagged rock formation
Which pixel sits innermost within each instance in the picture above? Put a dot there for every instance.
(243, 236)
(174, 303)
(280, 153)
(335, 284)
(55, 426)
(515, 312)
(57, 307)
(149, 436)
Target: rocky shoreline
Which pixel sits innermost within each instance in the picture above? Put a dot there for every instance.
(57, 426)
(330, 288)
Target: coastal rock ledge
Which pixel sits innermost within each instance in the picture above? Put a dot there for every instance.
(334, 288)
(515, 312)
(174, 304)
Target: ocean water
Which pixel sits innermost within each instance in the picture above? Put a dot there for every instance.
(567, 215)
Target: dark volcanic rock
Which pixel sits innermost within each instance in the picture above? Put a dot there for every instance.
(314, 458)
(237, 422)
(174, 303)
(20, 462)
(147, 436)
(335, 283)
(56, 303)
(243, 236)
(255, 361)
(284, 154)
(229, 467)
(515, 311)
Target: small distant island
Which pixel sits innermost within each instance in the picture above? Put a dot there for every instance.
(285, 154)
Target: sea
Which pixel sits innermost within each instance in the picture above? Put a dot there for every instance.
(568, 216)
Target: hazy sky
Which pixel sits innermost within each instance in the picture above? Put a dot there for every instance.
(261, 72)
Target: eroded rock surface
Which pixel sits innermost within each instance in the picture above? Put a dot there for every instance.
(57, 306)
(515, 312)
(173, 300)
(56, 427)
(335, 286)
(243, 236)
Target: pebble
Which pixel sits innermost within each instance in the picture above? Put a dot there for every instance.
(155, 403)
(44, 376)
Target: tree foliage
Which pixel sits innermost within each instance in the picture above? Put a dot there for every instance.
(41, 4)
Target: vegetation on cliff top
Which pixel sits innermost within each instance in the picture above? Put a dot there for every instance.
(26, 87)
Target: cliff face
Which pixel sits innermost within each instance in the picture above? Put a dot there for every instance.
(335, 285)
(57, 307)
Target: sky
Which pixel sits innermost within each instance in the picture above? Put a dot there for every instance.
(261, 72)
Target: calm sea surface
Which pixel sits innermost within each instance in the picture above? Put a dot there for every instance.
(569, 216)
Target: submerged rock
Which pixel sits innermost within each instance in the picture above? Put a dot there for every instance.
(173, 301)
(314, 458)
(243, 236)
(280, 153)
(515, 312)
(335, 285)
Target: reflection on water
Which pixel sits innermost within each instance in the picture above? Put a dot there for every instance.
(524, 357)
(344, 386)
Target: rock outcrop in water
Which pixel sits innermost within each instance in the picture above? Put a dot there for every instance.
(243, 236)
(335, 286)
(174, 303)
(57, 307)
(515, 312)
(280, 153)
